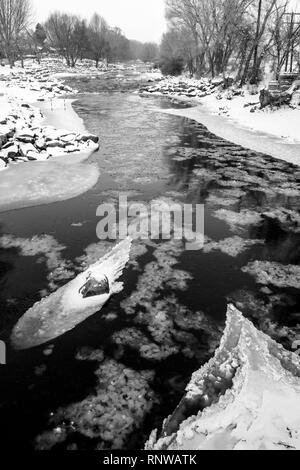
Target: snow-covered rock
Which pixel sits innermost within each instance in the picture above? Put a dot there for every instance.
(2, 164)
(187, 87)
(246, 398)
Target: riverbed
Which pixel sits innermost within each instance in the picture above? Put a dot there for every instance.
(117, 376)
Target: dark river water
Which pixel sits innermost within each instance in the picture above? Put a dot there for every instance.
(113, 379)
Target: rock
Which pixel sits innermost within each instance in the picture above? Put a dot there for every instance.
(31, 155)
(26, 148)
(93, 288)
(72, 148)
(40, 144)
(68, 138)
(13, 152)
(92, 145)
(25, 136)
(25, 140)
(56, 143)
(85, 138)
(295, 101)
(217, 81)
(3, 164)
(5, 134)
(268, 98)
(228, 82)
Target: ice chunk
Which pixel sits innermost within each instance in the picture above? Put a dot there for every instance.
(246, 397)
(276, 274)
(68, 306)
(48, 181)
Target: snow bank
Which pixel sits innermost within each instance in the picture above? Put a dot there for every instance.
(241, 134)
(24, 138)
(234, 117)
(282, 123)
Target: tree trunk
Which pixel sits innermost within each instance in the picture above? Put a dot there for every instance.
(211, 64)
(255, 69)
(247, 66)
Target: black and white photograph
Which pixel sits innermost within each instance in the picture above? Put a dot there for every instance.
(149, 228)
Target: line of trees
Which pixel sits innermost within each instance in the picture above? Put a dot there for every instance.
(214, 36)
(75, 38)
(72, 37)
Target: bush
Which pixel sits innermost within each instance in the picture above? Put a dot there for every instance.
(172, 65)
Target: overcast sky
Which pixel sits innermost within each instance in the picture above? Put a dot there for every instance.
(138, 19)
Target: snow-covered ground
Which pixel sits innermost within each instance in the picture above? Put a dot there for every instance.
(237, 119)
(42, 157)
(241, 135)
(283, 123)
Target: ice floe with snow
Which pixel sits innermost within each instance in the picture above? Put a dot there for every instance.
(245, 398)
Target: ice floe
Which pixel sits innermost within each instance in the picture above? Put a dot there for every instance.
(276, 274)
(70, 305)
(245, 398)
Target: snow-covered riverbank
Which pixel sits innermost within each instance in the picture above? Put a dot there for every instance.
(282, 123)
(235, 118)
(54, 142)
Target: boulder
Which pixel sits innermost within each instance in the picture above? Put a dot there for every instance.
(295, 101)
(68, 138)
(5, 134)
(56, 143)
(72, 148)
(40, 144)
(26, 136)
(13, 152)
(268, 98)
(26, 148)
(85, 138)
(31, 155)
(91, 145)
(3, 164)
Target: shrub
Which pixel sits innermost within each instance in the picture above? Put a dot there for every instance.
(172, 65)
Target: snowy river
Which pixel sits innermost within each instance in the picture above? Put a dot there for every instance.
(113, 379)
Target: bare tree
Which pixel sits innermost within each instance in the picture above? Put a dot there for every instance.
(65, 33)
(150, 52)
(285, 37)
(261, 40)
(214, 26)
(177, 50)
(98, 32)
(119, 46)
(14, 19)
(247, 31)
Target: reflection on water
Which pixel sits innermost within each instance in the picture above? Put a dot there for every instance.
(124, 370)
